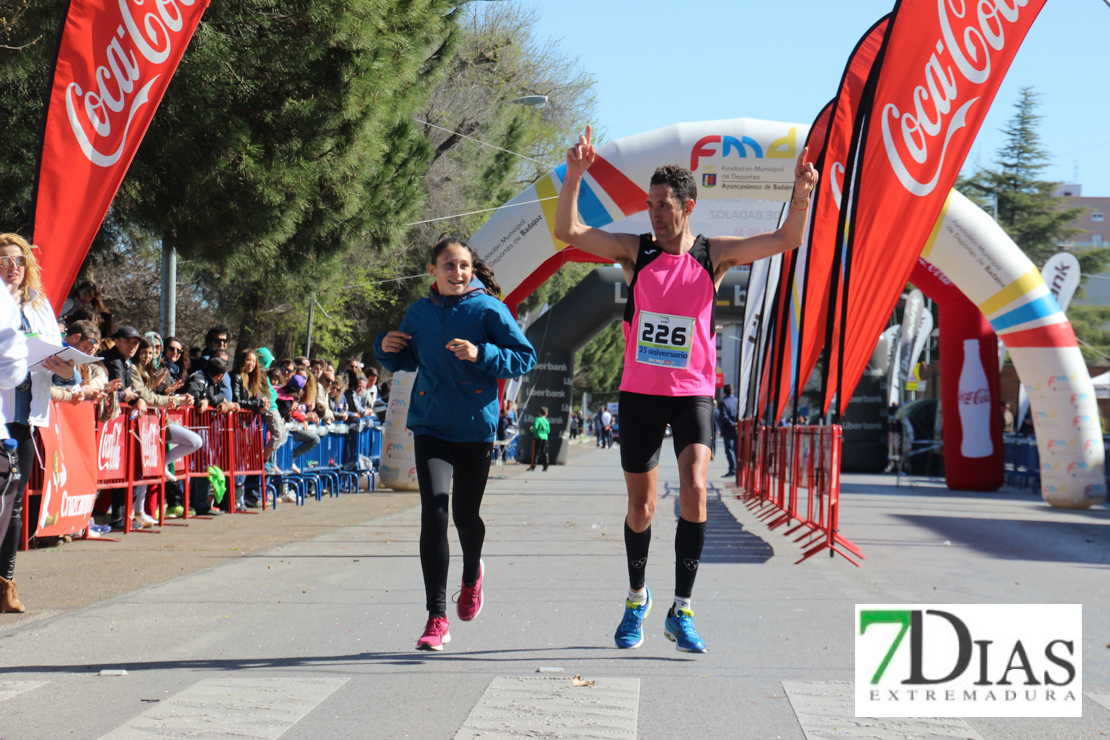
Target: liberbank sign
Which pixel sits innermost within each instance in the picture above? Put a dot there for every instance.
(969, 660)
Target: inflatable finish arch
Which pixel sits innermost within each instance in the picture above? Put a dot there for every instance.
(753, 159)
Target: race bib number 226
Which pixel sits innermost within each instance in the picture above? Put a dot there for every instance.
(664, 340)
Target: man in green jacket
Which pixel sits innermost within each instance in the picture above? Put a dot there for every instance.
(541, 427)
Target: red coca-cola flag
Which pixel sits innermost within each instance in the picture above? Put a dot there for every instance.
(830, 142)
(939, 71)
(115, 60)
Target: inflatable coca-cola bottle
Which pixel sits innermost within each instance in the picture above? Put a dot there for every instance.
(975, 404)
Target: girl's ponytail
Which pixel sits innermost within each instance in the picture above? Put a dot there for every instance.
(482, 271)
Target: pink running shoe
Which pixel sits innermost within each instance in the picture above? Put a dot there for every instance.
(435, 635)
(469, 599)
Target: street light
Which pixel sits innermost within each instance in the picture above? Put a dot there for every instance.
(532, 101)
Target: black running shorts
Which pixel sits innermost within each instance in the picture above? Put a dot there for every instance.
(643, 425)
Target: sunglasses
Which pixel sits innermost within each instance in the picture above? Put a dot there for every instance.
(173, 350)
(6, 262)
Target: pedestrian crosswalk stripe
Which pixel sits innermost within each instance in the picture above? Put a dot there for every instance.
(827, 710)
(1103, 699)
(513, 707)
(8, 689)
(258, 708)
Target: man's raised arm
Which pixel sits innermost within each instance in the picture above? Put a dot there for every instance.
(620, 248)
(728, 251)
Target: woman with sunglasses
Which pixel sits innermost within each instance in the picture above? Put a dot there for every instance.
(175, 360)
(28, 405)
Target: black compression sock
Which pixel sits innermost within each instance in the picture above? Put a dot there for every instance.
(689, 540)
(636, 546)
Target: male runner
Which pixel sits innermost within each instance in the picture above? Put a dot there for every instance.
(670, 361)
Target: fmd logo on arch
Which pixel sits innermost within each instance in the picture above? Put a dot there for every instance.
(969, 660)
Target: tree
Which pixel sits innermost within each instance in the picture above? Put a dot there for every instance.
(1029, 211)
(497, 60)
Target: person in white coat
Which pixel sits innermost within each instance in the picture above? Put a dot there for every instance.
(25, 403)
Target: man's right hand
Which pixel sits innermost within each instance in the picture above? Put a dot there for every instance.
(581, 155)
(395, 341)
(130, 395)
(203, 405)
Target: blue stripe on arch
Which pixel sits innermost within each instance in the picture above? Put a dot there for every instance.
(590, 209)
(1044, 306)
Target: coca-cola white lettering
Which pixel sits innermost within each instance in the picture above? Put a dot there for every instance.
(148, 437)
(933, 101)
(111, 447)
(115, 81)
(975, 405)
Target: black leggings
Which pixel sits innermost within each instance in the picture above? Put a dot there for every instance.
(11, 510)
(437, 460)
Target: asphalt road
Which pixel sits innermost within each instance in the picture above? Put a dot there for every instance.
(314, 638)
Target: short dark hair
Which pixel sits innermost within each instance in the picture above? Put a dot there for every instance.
(727, 389)
(85, 329)
(680, 180)
(543, 411)
(216, 331)
(216, 366)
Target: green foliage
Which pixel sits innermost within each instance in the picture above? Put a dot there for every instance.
(599, 365)
(1090, 324)
(1027, 209)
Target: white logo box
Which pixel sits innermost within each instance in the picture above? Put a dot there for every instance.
(969, 660)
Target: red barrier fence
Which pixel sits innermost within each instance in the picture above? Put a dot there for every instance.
(131, 451)
(792, 474)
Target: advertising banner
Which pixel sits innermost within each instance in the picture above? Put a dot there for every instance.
(111, 457)
(826, 199)
(68, 481)
(152, 448)
(938, 73)
(115, 60)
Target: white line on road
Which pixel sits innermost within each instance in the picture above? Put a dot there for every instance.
(516, 707)
(8, 689)
(827, 710)
(261, 708)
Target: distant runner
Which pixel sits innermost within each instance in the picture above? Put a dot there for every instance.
(670, 362)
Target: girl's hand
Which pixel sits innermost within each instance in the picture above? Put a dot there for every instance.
(395, 341)
(463, 349)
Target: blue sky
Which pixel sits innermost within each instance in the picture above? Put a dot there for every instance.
(658, 63)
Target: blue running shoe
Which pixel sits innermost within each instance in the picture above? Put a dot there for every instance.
(630, 632)
(680, 630)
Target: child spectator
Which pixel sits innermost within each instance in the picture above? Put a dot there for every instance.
(540, 429)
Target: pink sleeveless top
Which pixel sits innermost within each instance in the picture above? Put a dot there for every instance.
(670, 348)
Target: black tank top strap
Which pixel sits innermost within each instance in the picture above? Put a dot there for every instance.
(700, 252)
(648, 251)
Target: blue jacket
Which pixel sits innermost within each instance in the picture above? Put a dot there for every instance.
(453, 399)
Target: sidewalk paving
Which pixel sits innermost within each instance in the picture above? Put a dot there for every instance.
(329, 623)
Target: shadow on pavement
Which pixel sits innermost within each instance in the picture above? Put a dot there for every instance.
(344, 661)
(726, 540)
(1015, 539)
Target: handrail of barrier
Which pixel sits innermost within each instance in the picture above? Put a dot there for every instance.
(791, 475)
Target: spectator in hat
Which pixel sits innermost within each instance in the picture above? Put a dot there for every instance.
(117, 361)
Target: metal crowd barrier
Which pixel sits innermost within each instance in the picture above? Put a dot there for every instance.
(791, 475)
(131, 452)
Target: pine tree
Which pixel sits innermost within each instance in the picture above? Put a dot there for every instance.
(1031, 214)
(1027, 208)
